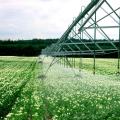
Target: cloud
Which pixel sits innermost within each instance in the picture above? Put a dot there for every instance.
(33, 16)
(37, 18)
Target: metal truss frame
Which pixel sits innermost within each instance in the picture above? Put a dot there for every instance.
(73, 40)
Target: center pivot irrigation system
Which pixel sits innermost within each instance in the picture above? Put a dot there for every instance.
(96, 31)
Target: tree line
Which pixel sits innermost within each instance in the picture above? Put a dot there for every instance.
(24, 47)
(34, 47)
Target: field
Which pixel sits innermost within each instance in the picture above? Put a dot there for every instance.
(62, 94)
(103, 66)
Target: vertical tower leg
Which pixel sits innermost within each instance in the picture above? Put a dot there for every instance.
(94, 65)
(119, 48)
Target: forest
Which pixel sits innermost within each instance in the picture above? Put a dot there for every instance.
(24, 47)
(34, 47)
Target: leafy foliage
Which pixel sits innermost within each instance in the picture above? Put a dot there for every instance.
(63, 94)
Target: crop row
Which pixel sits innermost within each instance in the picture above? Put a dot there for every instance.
(71, 95)
(61, 94)
(14, 77)
(30, 104)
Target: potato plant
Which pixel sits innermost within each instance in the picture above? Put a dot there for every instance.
(63, 93)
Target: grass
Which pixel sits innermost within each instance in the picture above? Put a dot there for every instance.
(63, 94)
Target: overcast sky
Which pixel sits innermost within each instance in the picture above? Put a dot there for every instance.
(27, 19)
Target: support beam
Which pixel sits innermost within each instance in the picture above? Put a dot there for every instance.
(94, 65)
(119, 49)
